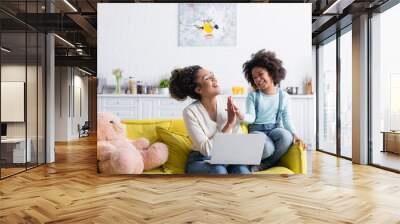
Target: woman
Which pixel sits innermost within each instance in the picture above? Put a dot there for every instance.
(204, 117)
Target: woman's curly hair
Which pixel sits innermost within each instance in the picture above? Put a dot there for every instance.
(183, 83)
(268, 61)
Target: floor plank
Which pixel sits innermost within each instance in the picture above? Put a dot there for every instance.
(70, 191)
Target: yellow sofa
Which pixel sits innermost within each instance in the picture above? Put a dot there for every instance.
(174, 134)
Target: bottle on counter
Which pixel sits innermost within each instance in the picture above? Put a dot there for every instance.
(144, 88)
(132, 85)
(149, 89)
(139, 87)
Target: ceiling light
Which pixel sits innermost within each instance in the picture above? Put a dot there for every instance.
(64, 40)
(337, 7)
(70, 5)
(5, 50)
(84, 71)
(79, 51)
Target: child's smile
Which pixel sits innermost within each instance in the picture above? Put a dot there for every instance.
(261, 83)
(261, 78)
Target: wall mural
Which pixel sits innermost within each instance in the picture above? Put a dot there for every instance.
(205, 24)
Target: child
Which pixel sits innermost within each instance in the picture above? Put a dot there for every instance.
(267, 107)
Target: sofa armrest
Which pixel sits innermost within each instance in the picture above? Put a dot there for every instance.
(295, 159)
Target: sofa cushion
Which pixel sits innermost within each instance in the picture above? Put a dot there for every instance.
(179, 147)
(276, 170)
(158, 170)
(178, 126)
(244, 127)
(295, 159)
(144, 128)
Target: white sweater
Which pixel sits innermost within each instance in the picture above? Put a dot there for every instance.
(202, 128)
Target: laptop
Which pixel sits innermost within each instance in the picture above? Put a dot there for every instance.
(237, 149)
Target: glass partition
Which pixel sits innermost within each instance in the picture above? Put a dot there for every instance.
(14, 154)
(23, 89)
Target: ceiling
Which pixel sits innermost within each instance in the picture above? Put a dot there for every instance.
(76, 21)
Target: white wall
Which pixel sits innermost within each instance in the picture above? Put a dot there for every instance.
(142, 40)
(314, 68)
(68, 82)
(79, 117)
(62, 81)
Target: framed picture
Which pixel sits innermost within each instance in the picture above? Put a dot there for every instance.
(207, 24)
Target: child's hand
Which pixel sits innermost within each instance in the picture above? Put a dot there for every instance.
(297, 140)
(238, 113)
(235, 109)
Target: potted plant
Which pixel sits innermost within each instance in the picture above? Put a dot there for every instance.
(164, 87)
(118, 76)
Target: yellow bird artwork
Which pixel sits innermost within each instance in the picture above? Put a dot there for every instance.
(208, 27)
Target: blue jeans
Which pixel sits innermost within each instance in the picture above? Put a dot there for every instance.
(196, 165)
(277, 143)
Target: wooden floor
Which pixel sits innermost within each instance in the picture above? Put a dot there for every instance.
(9, 171)
(387, 159)
(70, 191)
(5, 172)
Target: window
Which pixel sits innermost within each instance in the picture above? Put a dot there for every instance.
(346, 94)
(385, 88)
(327, 97)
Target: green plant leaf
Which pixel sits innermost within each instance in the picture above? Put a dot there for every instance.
(164, 83)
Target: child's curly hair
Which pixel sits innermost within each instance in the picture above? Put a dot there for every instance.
(268, 61)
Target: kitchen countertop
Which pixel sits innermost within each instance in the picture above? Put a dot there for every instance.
(300, 96)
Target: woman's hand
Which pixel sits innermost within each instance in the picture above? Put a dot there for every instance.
(231, 112)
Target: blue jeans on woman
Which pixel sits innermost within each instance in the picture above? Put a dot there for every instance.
(277, 142)
(196, 165)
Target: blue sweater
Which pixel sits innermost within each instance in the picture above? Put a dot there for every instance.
(267, 109)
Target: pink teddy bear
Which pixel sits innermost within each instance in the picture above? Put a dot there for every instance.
(116, 154)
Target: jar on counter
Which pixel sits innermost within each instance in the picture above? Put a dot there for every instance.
(132, 85)
(149, 89)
